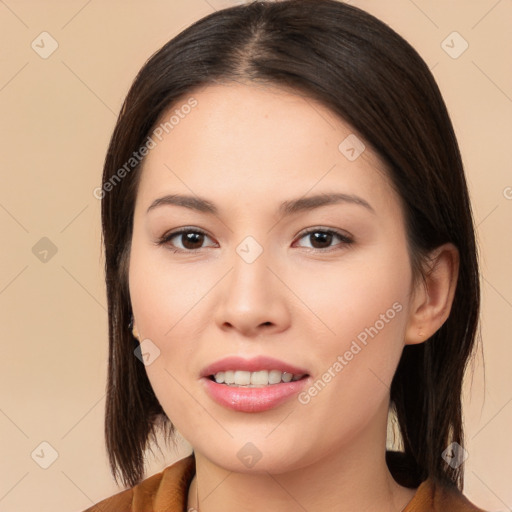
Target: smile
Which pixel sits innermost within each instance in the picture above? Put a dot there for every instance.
(241, 378)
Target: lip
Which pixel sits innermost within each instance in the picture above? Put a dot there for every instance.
(260, 399)
(255, 364)
(253, 399)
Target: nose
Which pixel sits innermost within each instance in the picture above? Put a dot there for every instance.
(251, 299)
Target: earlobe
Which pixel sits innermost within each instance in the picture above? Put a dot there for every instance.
(433, 298)
(133, 329)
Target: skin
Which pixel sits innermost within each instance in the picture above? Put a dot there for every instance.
(248, 148)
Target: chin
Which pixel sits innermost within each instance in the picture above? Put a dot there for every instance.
(258, 455)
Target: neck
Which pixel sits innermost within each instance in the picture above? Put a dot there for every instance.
(352, 477)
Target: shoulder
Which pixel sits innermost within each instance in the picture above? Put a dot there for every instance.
(439, 497)
(432, 495)
(450, 498)
(164, 491)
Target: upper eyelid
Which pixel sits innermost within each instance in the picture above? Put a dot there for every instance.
(307, 231)
(176, 233)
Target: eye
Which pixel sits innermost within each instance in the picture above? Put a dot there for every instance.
(321, 239)
(185, 239)
(192, 239)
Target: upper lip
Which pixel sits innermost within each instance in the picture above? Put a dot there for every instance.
(255, 364)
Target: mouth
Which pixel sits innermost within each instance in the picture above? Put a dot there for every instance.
(258, 379)
(253, 385)
(256, 372)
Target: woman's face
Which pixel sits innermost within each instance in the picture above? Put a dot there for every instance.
(264, 270)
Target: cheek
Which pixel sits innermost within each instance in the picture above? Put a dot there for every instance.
(163, 295)
(356, 367)
(361, 316)
(163, 304)
(356, 293)
(166, 302)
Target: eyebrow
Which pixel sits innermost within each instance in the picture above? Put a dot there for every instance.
(286, 208)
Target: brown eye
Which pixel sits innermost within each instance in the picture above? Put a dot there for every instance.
(184, 240)
(323, 238)
(192, 240)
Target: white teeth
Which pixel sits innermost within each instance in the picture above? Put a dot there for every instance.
(219, 377)
(274, 377)
(287, 377)
(261, 378)
(254, 379)
(242, 378)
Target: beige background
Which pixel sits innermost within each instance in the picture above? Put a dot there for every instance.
(57, 116)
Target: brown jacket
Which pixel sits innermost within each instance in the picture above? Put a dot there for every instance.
(167, 492)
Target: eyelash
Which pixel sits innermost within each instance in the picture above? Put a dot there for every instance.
(165, 239)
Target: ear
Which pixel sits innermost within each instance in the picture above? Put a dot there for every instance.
(432, 300)
(135, 332)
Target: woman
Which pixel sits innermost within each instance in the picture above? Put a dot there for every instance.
(290, 257)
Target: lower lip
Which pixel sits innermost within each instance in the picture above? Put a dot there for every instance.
(253, 399)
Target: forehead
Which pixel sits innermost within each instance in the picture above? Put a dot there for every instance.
(257, 139)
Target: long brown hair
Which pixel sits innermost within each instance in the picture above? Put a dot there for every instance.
(374, 80)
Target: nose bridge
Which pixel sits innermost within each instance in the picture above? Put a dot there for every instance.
(249, 280)
(251, 296)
